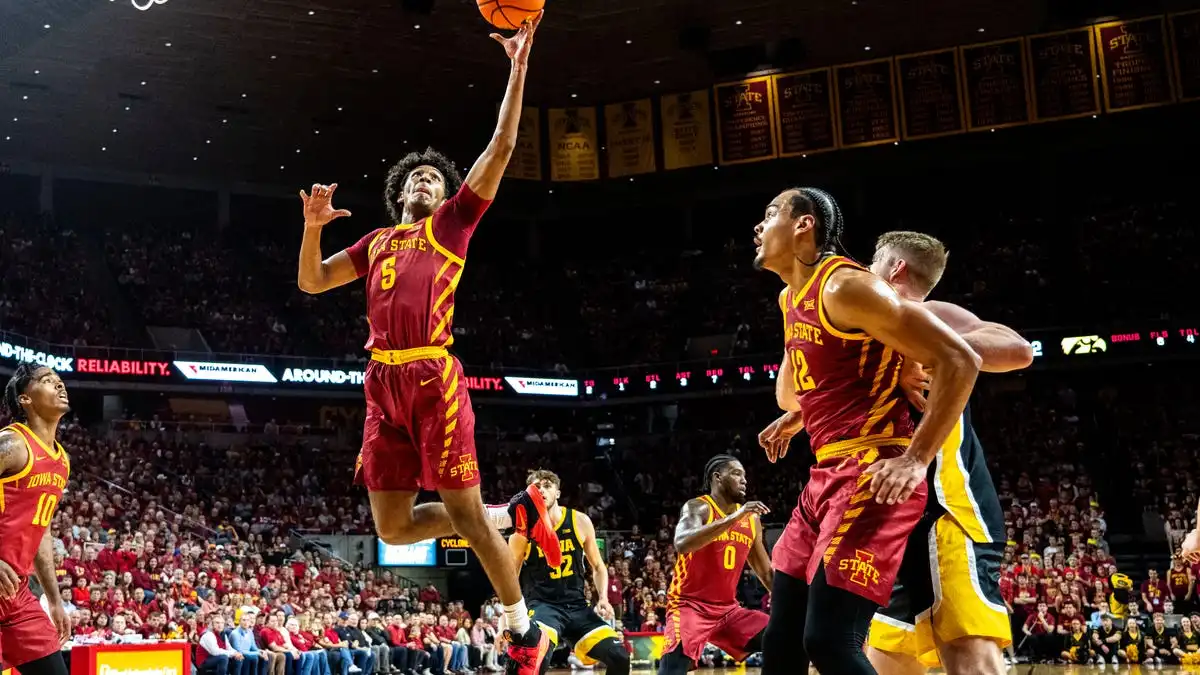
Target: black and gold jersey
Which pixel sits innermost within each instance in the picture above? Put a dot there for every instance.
(564, 584)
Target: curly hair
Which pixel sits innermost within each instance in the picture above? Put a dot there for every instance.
(399, 172)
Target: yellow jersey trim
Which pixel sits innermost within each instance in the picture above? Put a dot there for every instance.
(438, 247)
(816, 273)
(860, 335)
(399, 357)
(29, 457)
(852, 445)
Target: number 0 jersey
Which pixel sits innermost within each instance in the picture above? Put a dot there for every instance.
(562, 585)
(28, 499)
(847, 382)
(710, 575)
(412, 271)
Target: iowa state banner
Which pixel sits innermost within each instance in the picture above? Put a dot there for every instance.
(574, 153)
(686, 130)
(629, 129)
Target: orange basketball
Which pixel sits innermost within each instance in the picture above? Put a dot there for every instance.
(509, 14)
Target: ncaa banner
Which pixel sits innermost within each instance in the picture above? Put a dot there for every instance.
(630, 138)
(526, 161)
(574, 153)
(686, 130)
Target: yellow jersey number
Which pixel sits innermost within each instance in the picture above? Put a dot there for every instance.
(387, 273)
(800, 376)
(564, 570)
(730, 560)
(45, 509)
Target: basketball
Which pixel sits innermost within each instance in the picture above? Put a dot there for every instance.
(509, 14)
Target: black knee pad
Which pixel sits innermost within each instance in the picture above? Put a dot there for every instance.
(612, 653)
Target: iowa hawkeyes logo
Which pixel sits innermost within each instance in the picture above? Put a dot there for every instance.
(1086, 344)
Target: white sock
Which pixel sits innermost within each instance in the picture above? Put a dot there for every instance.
(517, 617)
(498, 517)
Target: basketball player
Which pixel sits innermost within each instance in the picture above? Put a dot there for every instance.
(419, 429)
(947, 596)
(33, 472)
(556, 594)
(715, 537)
(845, 331)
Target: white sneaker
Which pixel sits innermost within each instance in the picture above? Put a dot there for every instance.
(355, 669)
(1115, 662)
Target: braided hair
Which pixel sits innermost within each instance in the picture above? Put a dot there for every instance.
(398, 175)
(824, 208)
(17, 384)
(714, 465)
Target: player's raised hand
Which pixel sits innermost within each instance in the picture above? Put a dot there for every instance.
(517, 46)
(753, 509)
(318, 207)
(894, 480)
(10, 583)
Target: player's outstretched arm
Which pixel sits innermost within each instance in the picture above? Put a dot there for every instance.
(1001, 348)
(484, 177)
(691, 533)
(587, 532)
(760, 561)
(315, 275)
(855, 299)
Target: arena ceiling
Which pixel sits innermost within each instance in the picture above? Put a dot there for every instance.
(329, 89)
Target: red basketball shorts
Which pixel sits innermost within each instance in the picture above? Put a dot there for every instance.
(727, 627)
(837, 523)
(26, 633)
(420, 430)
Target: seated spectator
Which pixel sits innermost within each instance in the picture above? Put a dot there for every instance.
(214, 656)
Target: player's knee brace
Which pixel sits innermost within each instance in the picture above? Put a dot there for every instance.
(611, 653)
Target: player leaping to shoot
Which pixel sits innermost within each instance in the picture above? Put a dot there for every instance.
(419, 429)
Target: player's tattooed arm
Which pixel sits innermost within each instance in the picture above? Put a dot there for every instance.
(760, 561)
(13, 453)
(1001, 348)
(691, 533)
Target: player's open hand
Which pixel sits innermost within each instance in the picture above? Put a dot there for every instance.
(915, 381)
(753, 509)
(1191, 547)
(605, 609)
(318, 207)
(10, 582)
(777, 437)
(894, 480)
(517, 46)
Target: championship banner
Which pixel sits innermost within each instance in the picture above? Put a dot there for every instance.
(995, 84)
(526, 161)
(1135, 65)
(804, 112)
(1185, 39)
(1062, 68)
(574, 152)
(630, 138)
(686, 130)
(865, 98)
(930, 97)
(745, 121)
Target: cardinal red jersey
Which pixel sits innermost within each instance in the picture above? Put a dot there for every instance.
(28, 499)
(412, 271)
(1179, 582)
(710, 575)
(847, 382)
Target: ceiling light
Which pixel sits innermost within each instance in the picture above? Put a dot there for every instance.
(630, 180)
(471, 86)
(374, 70)
(738, 22)
(339, 108)
(574, 95)
(126, 107)
(364, 175)
(37, 72)
(317, 131)
(273, 57)
(281, 167)
(195, 159)
(114, 131)
(224, 121)
(14, 119)
(895, 142)
(8, 138)
(167, 44)
(243, 96)
(981, 30)
(143, 83)
(867, 48)
(417, 27)
(47, 26)
(431, 119)
(24, 98)
(629, 42)
(551, 191)
(310, 12)
(208, 141)
(658, 82)
(103, 149)
(297, 151)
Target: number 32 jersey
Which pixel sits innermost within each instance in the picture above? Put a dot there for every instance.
(28, 499)
(848, 383)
